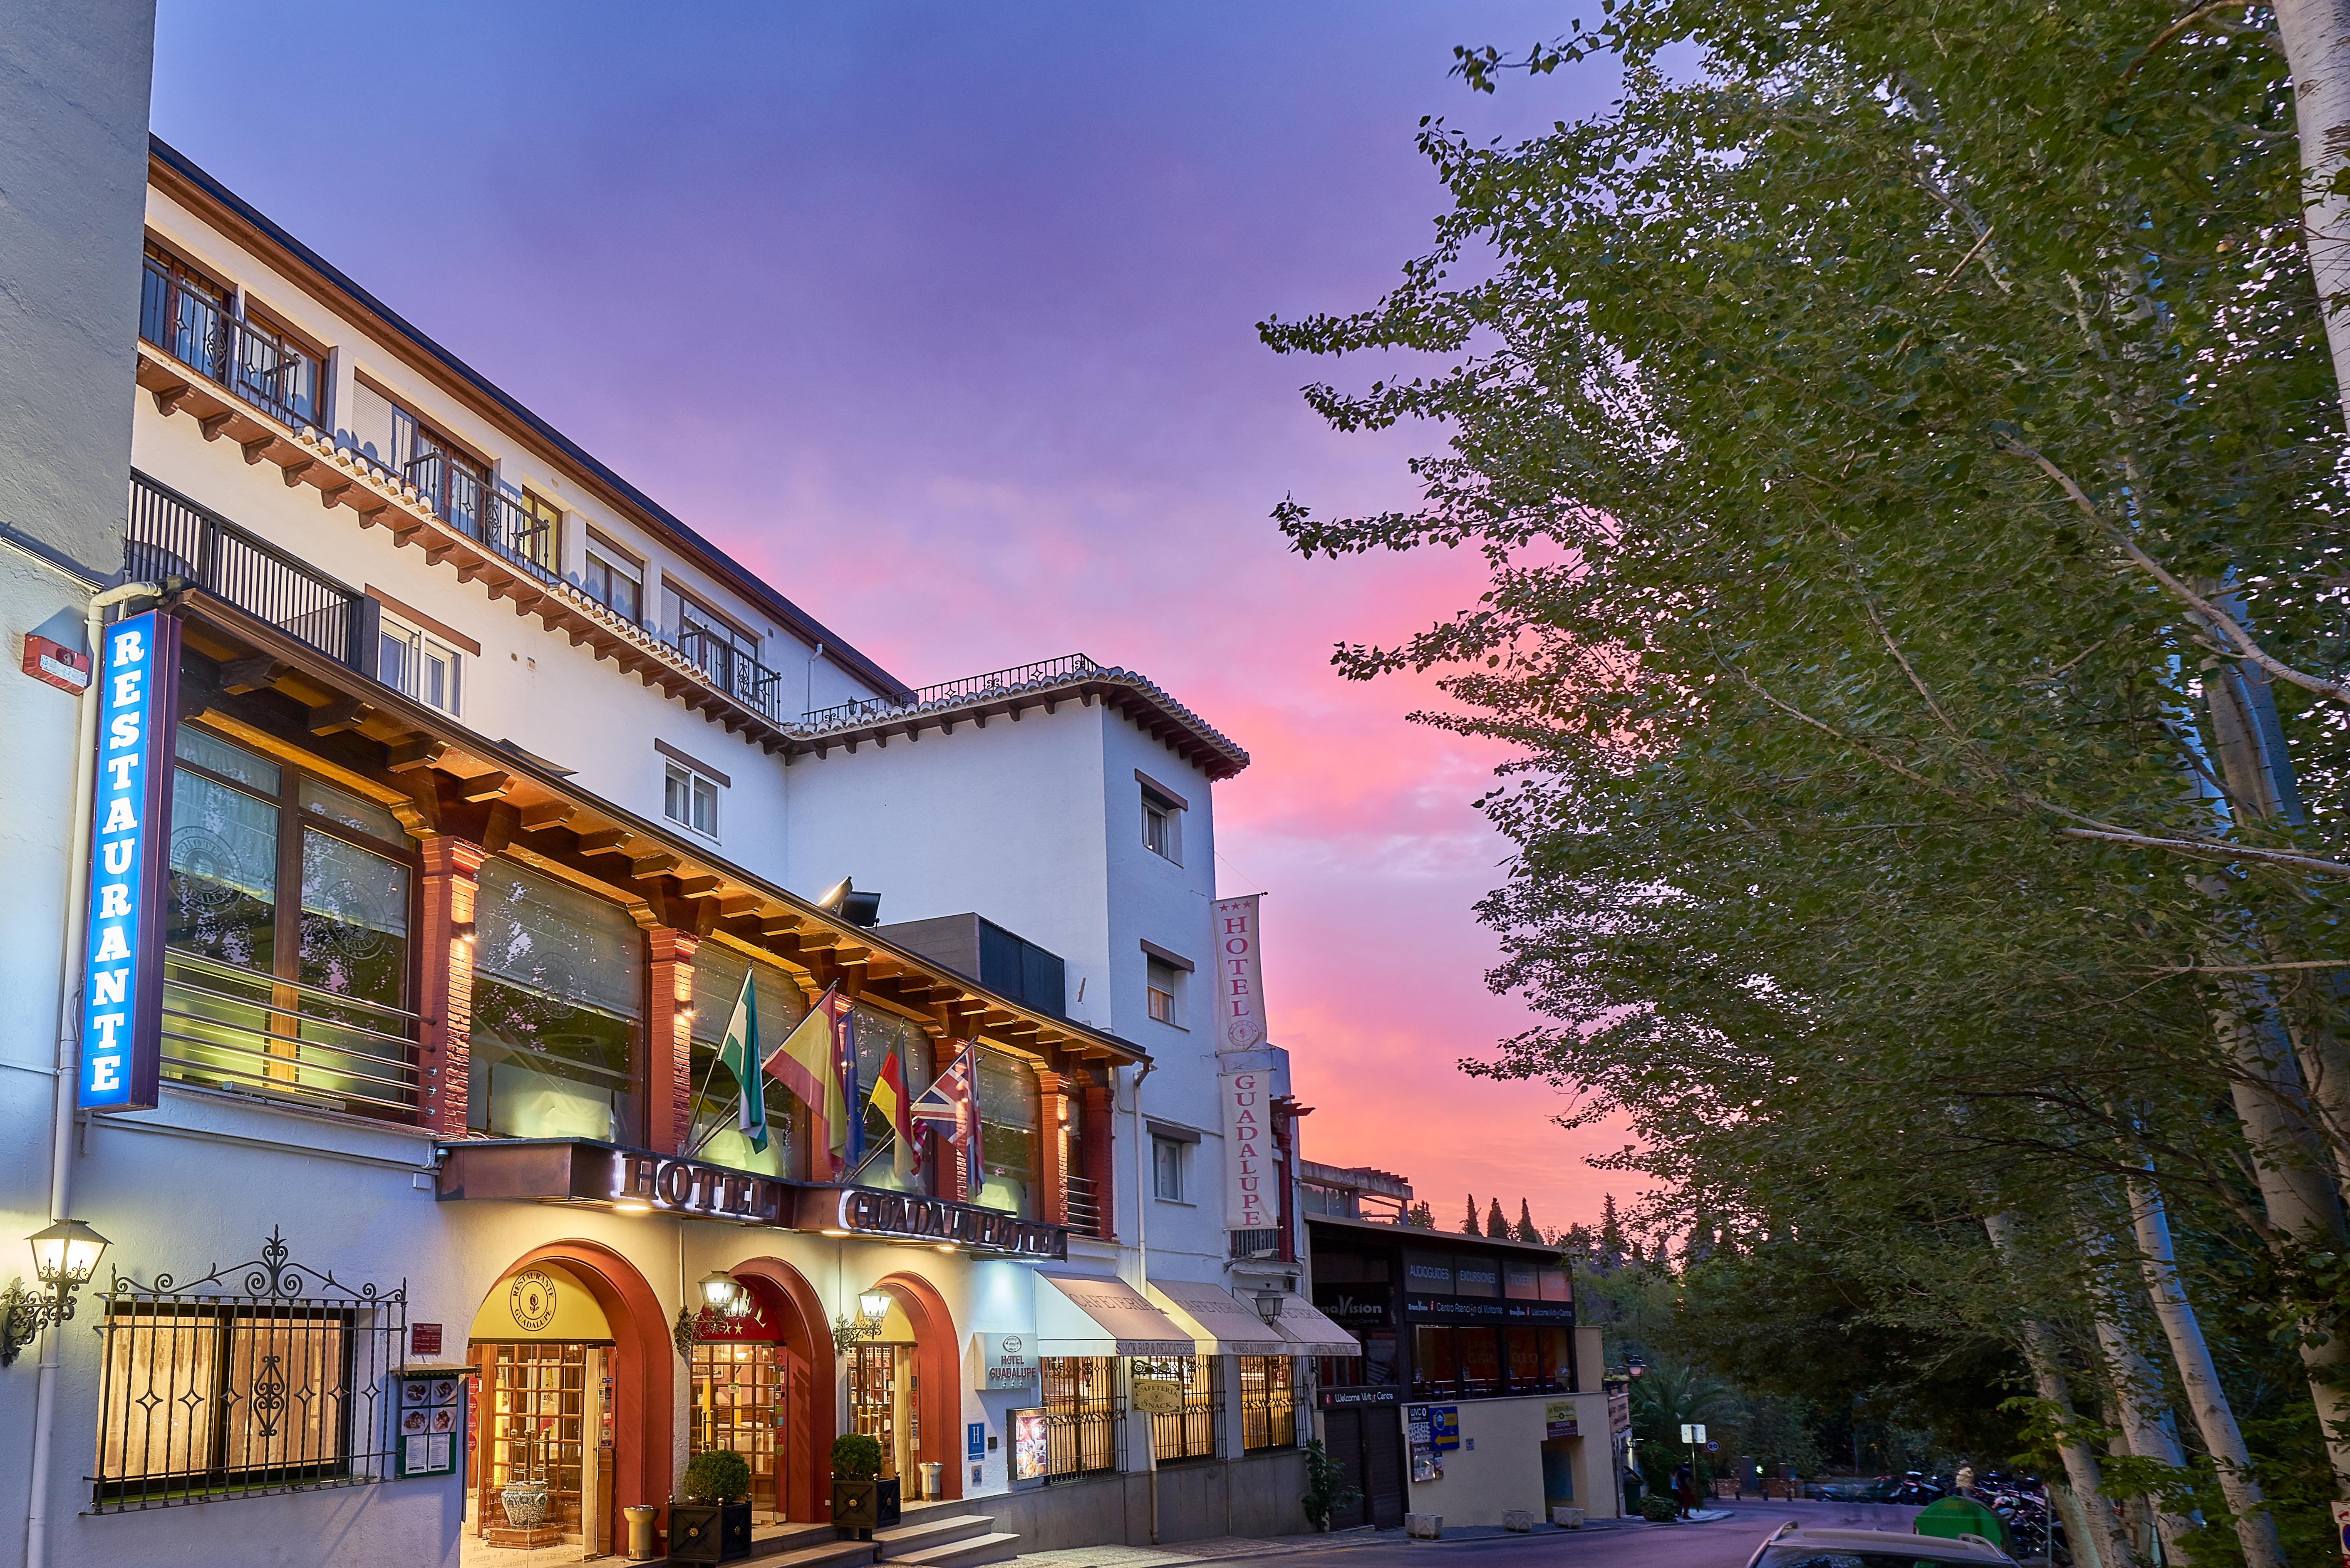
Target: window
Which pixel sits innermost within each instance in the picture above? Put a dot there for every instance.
(418, 665)
(1166, 1168)
(452, 480)
(880, 1037)
(199, 1398)
(541, 538)
(1163, 983)
(558, 1011)
(1162, 831)
(689, 798)
(1433, 1369)
(718, 971)
(1011, 1111)
(286, 960)
(1191, 1432)
(1082, 1406)
(1268, 1403)
(614, 582)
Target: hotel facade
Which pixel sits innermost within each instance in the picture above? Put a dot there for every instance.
(445, 794)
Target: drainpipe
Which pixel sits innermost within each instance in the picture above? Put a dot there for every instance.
(67, 1073)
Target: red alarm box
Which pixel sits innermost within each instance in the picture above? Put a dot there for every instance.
(55, 663)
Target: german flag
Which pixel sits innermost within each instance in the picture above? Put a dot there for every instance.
(889, 1097)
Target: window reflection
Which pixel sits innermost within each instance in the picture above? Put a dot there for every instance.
(558, 1008)
(718, 973)
(1010, 1112)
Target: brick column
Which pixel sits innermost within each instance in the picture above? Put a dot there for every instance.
(669, 1039)
(1101, 1167)
(1052, 1146)
(452, 866)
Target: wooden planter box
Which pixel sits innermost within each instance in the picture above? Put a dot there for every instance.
(709, 1532)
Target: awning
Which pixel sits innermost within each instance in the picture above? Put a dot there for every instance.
(1219, 1322)
(1310, 1332)
(1095, 1314)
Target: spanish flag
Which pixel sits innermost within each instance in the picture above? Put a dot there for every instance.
(889, 1099)
(804, 1065)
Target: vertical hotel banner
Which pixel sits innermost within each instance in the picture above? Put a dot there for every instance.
(1239, 976)
(123, 979)
(1248, 1151)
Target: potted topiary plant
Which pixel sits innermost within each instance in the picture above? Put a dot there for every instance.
(710, 1520)
(1324, 1490)
(856, 1485)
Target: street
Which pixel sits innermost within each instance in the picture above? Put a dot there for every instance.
(1717, 1543)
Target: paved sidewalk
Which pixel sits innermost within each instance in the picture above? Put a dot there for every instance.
(1217, 1548)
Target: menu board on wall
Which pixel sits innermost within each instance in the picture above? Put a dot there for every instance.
(429, 1419)
(1030, 1454)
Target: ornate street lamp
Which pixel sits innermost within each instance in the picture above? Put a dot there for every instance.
(872, 1307)
(721, 1290)
(1268, 1303)
(65, 1256)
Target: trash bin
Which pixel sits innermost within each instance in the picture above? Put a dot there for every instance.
(933, 1482)
(640, 1529)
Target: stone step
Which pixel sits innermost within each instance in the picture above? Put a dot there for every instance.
(996, 1546)
(794, 1551)
(925, 1530)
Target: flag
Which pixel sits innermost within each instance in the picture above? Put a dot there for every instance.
(947, 1107)
(889, 1099)
(740, 1054)
(805, 1065)
(848, 1133)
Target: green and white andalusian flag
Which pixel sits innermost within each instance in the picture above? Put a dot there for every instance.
(740, 1052)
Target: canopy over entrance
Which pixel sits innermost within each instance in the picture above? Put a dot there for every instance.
(540, 1303)
(1097, 1314)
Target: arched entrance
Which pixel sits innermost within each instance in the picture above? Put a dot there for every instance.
(807, 1392)
(935, 1392)
(563, 1323)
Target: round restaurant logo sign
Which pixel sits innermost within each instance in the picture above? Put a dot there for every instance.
(530, 1299)
(1011, 1344)
(1241, 1033)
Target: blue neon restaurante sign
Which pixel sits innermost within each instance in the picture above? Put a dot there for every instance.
(121, 1018)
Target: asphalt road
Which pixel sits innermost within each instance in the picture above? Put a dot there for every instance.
(1717, 1543)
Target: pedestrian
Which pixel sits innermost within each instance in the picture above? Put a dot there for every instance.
(1685, 1491)
(1966, 1480)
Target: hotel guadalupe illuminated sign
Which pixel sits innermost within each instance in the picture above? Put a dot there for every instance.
(122, 1013)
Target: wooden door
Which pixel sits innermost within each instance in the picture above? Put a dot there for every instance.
(873, 1400)
(738, 1404)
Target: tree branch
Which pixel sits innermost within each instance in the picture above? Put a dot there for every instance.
(2211, 849)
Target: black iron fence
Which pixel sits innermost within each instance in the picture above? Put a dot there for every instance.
(262, 1378)
(1195, 1431)
(256, 364)
(1268, 1402)
(171, 537)
(1068, 666)
(732, 671)
(1085, 1416)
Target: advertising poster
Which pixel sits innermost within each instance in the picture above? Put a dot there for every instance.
(1030, 1456)
(429, 1412)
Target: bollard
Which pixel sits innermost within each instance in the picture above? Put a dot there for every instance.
(640, 1529)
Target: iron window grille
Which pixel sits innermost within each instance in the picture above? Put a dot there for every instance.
(257, 1380)
(1197, 1431)
(1085, 1411)
(1268, 1403)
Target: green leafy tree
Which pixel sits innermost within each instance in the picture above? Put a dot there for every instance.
(1495, 1225)
(1526, 1229)
(1469, 1225)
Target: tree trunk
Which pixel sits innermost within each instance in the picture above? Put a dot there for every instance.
(2316, 38)
(2101, 1532)
(2206, 1401)
(2137, 1393)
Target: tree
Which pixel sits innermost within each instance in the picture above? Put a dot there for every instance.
(1469, 1225)
(1419, 1216)
(1495, 1225)
(1526, 1230)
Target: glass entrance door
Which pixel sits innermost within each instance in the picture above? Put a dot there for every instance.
(874, 1401)
(738, 1404)
(534, 1425)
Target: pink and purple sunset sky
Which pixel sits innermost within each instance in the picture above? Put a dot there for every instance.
(942, 317)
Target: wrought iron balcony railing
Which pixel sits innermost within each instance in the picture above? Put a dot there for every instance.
(1068, 666)
(257, 365)
(171, 537)
(732, 672)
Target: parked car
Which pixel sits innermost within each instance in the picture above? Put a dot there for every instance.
(1793, 1546)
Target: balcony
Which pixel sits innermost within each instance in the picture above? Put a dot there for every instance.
(1080, 1206)
(225, 1027)
(259, 367)
(733, 672)
(1046, 684)
(171, 537)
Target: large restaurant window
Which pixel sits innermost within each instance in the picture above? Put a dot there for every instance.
(718, 973)
(1083, 1407)
(1470, 1363)
(1192, 1432)
(1010, 1113)
(880, 1038)
(286, 942)
(1268, 1403)
(558, 1011)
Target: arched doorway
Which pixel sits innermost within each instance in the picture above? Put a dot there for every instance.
(557, 1373)
(935, 1392)
(807, 1391)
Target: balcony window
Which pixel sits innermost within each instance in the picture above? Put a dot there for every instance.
(541, 536)
(718, 971)
(558, 1012)
(688, 799)
(1010, 1114)
(418, 665)
(616, 584)
(287, 940)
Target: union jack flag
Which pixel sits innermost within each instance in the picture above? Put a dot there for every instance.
(949, 1108)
